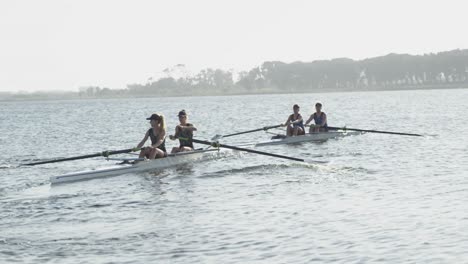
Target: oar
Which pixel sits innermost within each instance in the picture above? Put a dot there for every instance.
(216, 137)
(375, 131)
(218, 145)
(100, 154)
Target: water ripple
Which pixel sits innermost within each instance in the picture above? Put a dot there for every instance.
(380, 198)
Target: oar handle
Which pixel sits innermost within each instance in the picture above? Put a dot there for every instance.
(374, 131)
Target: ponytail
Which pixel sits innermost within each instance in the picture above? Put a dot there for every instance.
(162, 121)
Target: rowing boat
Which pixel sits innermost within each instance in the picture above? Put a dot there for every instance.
(171, 160)
(312, 137)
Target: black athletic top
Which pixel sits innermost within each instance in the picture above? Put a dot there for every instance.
(319, 119)
(154, 139)
(185, 133)
(300, 124)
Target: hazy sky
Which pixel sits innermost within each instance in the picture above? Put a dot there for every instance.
(62, 44)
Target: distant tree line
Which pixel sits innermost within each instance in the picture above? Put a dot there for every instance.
(96, 91)
(206, 82)
(393, 71)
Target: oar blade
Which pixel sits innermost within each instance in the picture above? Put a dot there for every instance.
(375, 131)
(312, 161)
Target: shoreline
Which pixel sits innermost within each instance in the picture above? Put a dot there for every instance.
(56, 95)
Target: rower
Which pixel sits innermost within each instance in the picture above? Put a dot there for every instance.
(157, 134)
(320, 120)
(183, 132)
(295, 123)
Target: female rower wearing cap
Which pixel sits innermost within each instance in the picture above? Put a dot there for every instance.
(184, 132)
(295, 123)
(157, 134)
(320, 120)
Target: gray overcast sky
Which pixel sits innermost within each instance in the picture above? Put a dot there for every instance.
(62, 44)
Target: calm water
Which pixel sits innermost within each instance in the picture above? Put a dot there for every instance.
(381, 198)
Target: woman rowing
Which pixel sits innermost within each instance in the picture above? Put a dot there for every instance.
(183, 132)
(157, 134)
(295, 123)
(320, 120)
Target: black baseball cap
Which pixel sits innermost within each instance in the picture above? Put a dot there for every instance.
(296, 106)
(154, 117)
(182, 113)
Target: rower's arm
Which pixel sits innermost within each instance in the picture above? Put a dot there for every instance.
(161, 137)
(299, 119)
(176, 134)
(143, 140)
(189, 127)
(310, 119)
(288, 121)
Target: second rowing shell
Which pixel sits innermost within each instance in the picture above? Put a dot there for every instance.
(317, 137)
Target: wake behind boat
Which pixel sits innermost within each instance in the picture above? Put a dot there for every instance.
(146, 165)
(310, 137)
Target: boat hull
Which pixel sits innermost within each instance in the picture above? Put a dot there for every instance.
(143, 166)
(314, 137)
